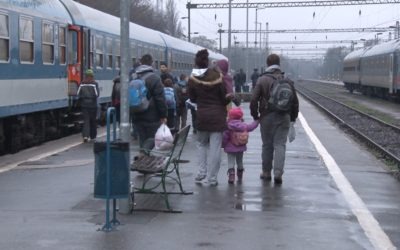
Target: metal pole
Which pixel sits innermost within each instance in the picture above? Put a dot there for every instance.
(247, 40)
(255, 34)
(188, 22)
(260, 34)
(229, 30)
(125, 5)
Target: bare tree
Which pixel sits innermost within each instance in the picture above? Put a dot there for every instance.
(204, 42)
(173, 25)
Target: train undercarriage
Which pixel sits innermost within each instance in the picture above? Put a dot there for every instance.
(27, 130)
(372, 91)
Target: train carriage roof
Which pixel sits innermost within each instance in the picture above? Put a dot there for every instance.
(97, 20)
(355, 55)
(383, 48)
(181, 45)
(47, 9)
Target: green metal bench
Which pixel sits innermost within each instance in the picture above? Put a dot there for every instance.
(161, 166)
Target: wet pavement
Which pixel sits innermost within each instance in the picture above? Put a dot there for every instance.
(48, 203)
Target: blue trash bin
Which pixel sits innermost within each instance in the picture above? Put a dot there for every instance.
(119, 170)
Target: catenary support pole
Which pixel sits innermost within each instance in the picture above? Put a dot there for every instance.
(125, 5)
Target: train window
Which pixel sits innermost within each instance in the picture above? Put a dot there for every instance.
(62, 43)
(48, 43)
(99, 52)
(117, 49)
(4, 39)
(109, 48)
(26, 42)
(91, 53)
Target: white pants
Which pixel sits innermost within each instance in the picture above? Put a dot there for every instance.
(209, 153)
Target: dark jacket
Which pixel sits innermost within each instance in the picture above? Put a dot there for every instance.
(158, 107)
(261, 94)
(116, 92)
(88, 92)
(208, 92)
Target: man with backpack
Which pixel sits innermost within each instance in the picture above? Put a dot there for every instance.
(150, 110)
(88, 92)
(274, 101)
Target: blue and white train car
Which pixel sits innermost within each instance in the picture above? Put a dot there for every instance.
(46, 45)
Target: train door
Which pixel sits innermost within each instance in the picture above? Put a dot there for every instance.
(74, 58)
(396, 72)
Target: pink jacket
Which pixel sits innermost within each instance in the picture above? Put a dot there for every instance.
(236, 125)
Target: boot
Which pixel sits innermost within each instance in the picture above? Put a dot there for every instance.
(240, 174)
(231, 176)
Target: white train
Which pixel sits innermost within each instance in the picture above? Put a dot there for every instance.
(374, 70)
(46, 45)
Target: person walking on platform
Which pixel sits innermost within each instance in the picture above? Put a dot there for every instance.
(182, 98)
(223, 67)
(88, 92)
(116, 96)
(274, 101)
(240, 80)
(254, 78)
(207, 90)
(234, 142)
(147, 122)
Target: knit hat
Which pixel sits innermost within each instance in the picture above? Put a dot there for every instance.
(89, 72)
(235, 114)
(223, 65)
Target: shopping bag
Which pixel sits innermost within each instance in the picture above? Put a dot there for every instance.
(292, 132)
(163, 139)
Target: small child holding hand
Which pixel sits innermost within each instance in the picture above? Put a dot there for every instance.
(234, 142)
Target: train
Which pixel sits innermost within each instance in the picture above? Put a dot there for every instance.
(46, 45)
(374, 71)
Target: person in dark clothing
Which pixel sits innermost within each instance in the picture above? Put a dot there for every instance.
(148, 121)
(254, 78)
(88, 92)
(274, 124)
(240, 80)
(181, 102)
(207, 90)
(116, 97)
(165, 72)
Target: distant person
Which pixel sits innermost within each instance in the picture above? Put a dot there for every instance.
(183, 96)
(207, 90)
(240, 80)
(116, 96)
(223, 66)
(170, 99)
(254, 78)
(147, 122)
(274, 119)
(234, 142)
(88, 92)
(165, 72)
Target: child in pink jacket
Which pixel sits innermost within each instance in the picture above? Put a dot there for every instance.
(234, 142)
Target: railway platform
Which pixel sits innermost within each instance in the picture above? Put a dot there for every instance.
(335, 195)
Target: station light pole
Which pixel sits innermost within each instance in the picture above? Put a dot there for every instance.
(188, 18)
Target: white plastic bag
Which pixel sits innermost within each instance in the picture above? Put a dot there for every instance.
(163, 139)
(292, 132)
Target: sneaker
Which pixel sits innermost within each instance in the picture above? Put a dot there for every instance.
(240, 174)
(265, 176)
(199, 178)
(231, 175)
(212, 183)
(85, 139)
(278, 180)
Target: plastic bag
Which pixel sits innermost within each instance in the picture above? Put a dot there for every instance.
(163, 139)
(292, 132)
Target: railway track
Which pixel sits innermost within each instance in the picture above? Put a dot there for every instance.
(376, 133)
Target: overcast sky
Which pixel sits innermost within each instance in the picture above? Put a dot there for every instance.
(203, 21)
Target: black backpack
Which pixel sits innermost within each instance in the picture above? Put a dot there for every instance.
(281, 95)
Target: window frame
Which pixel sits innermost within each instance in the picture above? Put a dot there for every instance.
(6, 38)
(62, 45)
(31, 41)
(50, 43)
